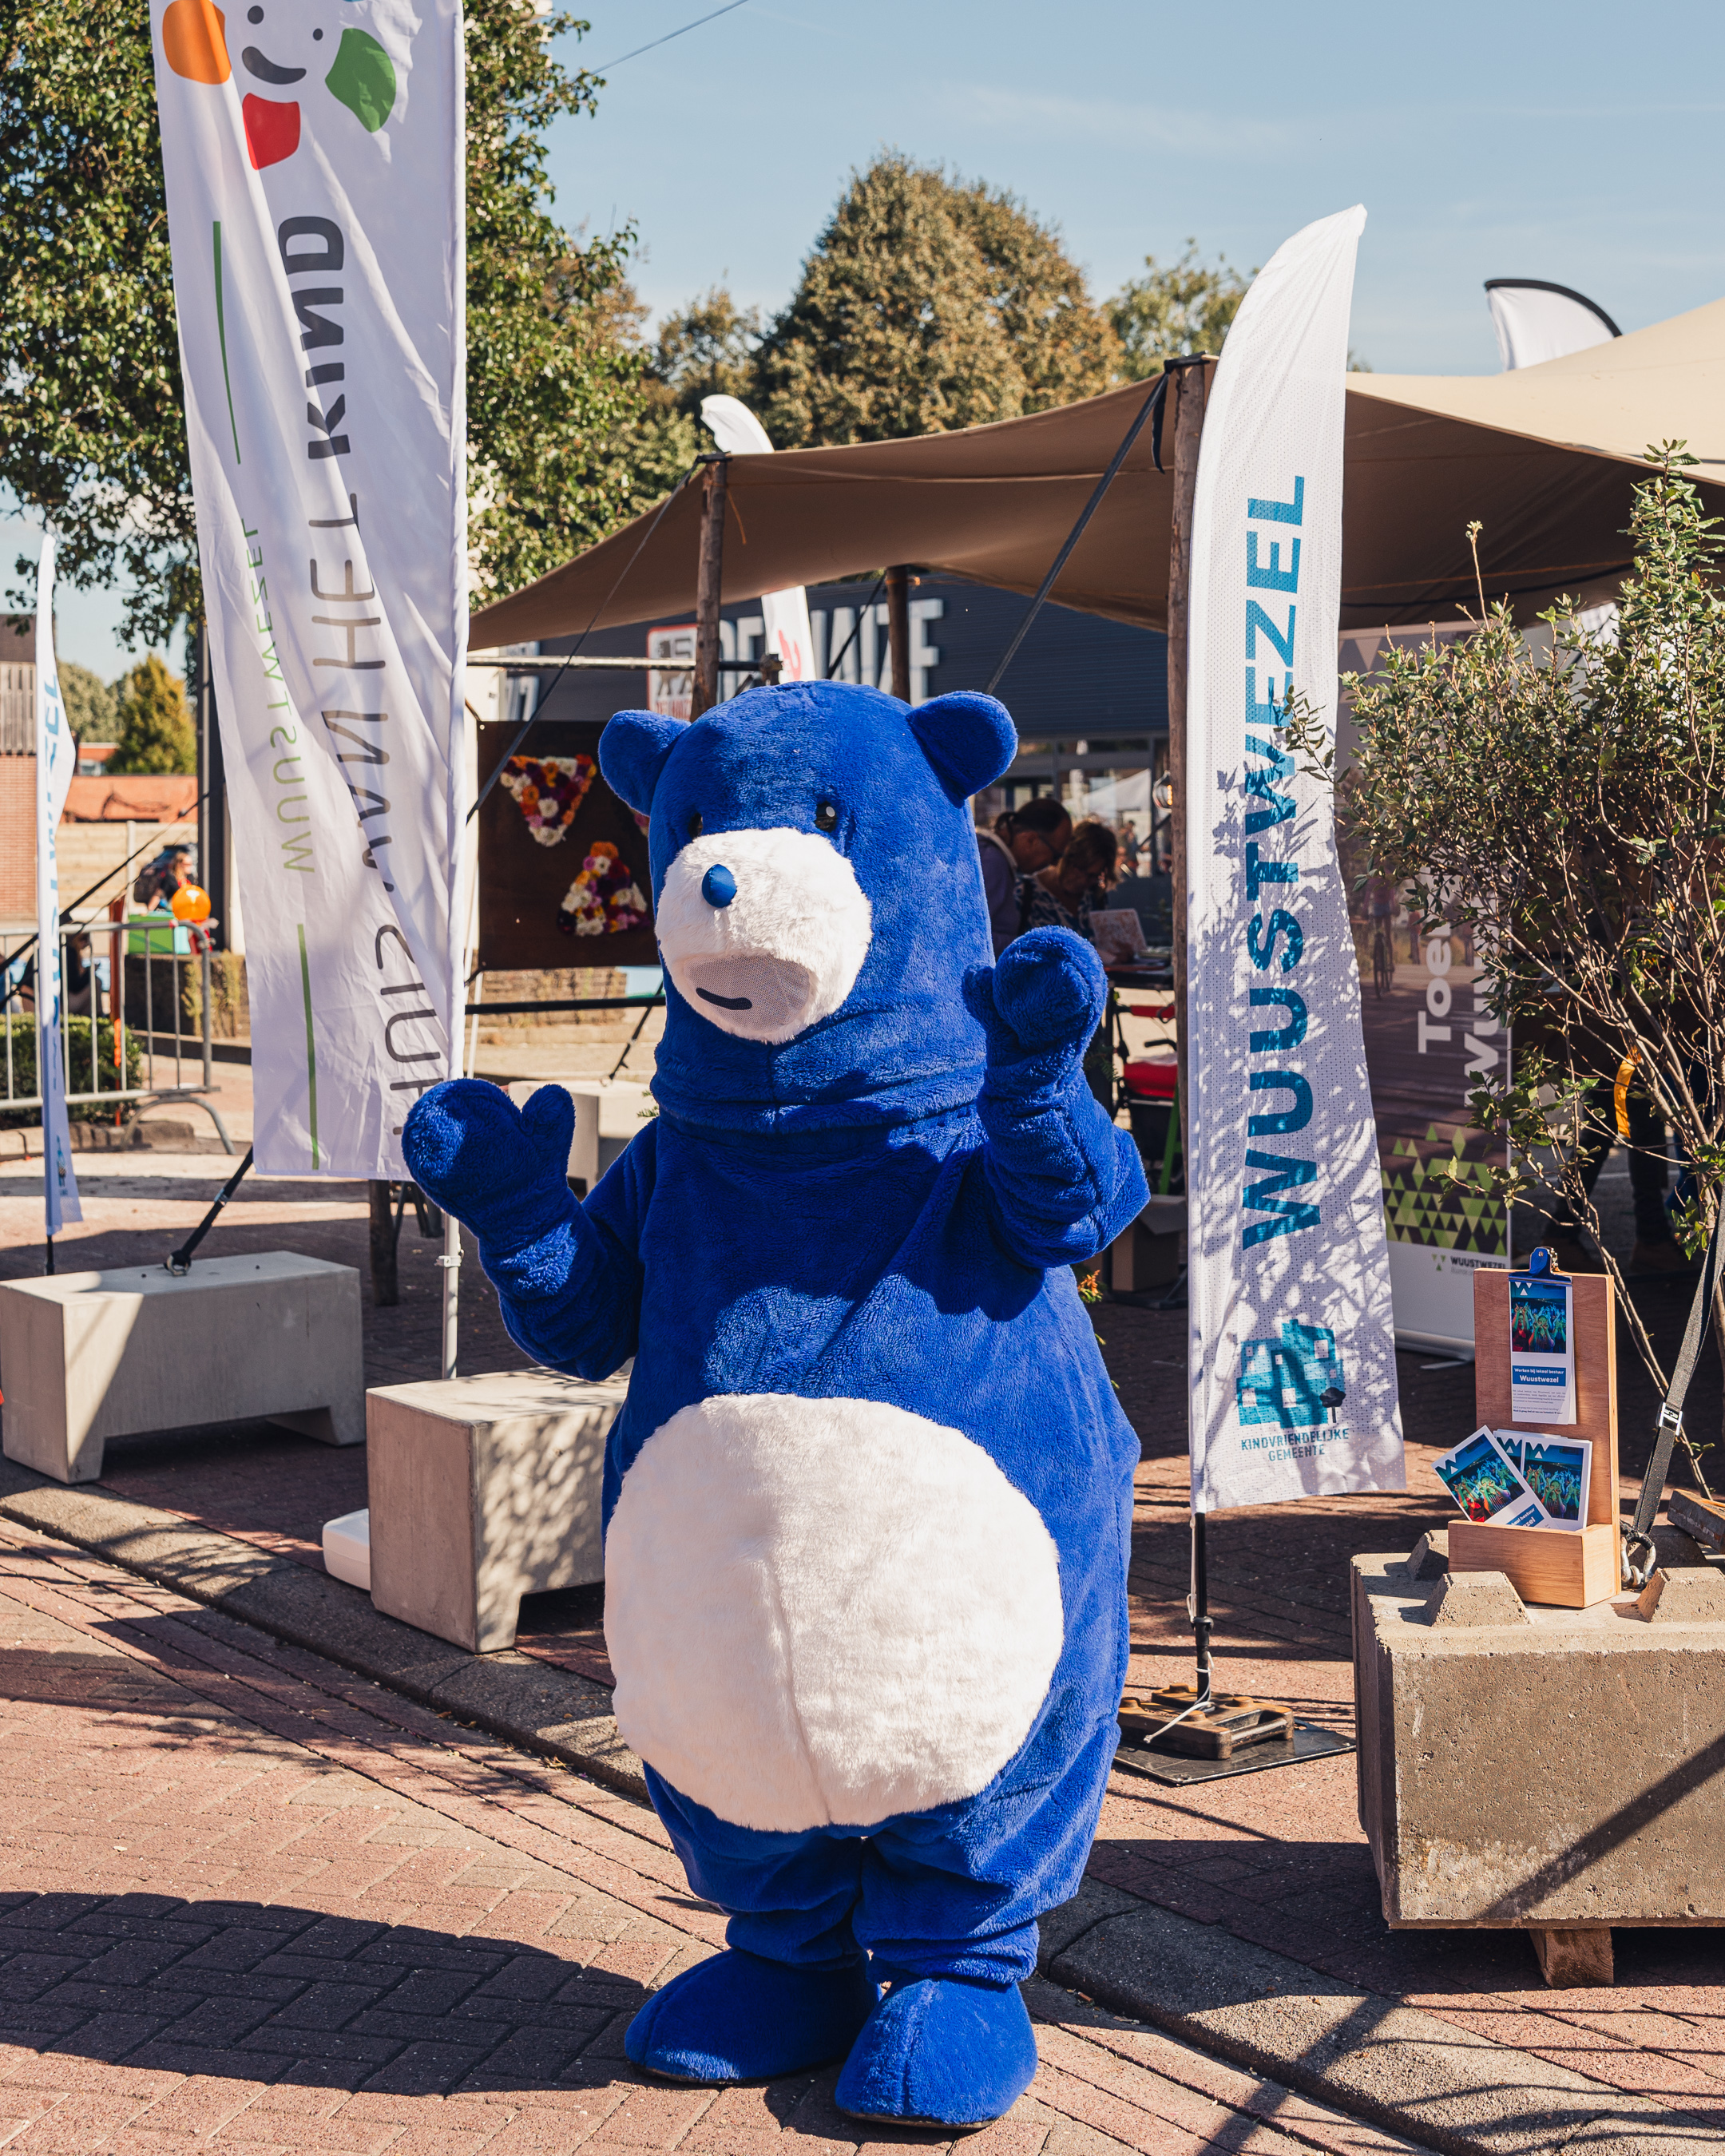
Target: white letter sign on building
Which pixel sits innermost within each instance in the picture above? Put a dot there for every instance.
(314, 161)
(1293, 1349)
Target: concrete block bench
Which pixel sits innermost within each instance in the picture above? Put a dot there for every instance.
(482, 1490)
(85, 1357)
(1550, 1770)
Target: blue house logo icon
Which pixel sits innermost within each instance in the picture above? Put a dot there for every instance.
(1296, 1381)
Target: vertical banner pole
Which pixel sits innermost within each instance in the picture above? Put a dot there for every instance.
(464, 900)
(710, 577)
(898, 629)
(450, 1264)
(54, 760)
(1190, 387)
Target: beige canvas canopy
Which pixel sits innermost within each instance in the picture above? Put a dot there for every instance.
(1543, 458)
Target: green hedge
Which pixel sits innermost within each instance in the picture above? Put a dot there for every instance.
(22, 1032)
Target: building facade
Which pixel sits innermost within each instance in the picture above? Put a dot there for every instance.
(1089, 697)
(18, 768)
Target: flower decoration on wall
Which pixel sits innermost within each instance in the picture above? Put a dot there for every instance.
(548, 790)
(604, 899)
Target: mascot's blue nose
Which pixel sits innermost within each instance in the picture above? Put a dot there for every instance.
(718, 886)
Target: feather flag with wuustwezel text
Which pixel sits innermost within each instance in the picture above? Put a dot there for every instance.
(1293, 1349)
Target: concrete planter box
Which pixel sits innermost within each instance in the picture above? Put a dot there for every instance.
(1541, 1769)
(482, 1490)
(85, 1357)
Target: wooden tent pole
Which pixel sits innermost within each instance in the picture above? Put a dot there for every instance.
(898, 629)
(709, 583)
(1189, 386)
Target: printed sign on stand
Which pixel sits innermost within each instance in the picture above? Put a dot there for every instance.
(1557, 1470)
(1541, 1349)
(1479, 1474)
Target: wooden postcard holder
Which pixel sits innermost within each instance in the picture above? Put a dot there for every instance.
(1554, 1565)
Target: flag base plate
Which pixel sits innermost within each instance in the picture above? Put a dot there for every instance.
(1305, 1742)
(1165, 1721)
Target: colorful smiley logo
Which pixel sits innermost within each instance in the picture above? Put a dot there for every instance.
(194, 39)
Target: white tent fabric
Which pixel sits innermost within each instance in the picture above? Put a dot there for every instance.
(785, 614)
(1536, 321)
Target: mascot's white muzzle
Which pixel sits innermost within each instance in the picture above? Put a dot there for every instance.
(764, 932)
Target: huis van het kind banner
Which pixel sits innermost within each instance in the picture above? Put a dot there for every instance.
(314, 159)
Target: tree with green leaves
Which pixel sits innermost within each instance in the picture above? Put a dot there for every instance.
(1175, 309)
(89, 702)
(1178, 308)
(928, 303)
(708, 349)
(154, 724)
(1564, 806)
(92, 426)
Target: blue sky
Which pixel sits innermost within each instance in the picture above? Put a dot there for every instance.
(1515, 140)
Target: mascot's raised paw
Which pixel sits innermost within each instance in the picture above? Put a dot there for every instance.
(484, 1160)
(1046, 994)
(739, 2018)
(939, 2051)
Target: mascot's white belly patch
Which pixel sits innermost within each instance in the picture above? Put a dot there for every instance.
(825, 1612)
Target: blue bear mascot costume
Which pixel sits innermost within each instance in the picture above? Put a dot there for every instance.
(868, 1503)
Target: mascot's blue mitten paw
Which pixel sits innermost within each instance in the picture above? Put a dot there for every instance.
(739, 2018)
(1038, 1006)
(495, 1167)
(940, 2051)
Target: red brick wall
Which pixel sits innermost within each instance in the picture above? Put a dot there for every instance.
(17, 838)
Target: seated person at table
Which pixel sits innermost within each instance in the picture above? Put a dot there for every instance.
(1065, 894)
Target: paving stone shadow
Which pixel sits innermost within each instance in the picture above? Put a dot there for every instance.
(272, 1993)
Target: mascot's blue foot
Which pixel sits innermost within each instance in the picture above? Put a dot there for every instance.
(938, 2051)
(737, 2018)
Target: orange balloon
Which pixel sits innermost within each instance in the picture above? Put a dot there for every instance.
(195, 41)
(190, 903)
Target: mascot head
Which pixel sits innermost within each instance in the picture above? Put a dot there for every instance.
(817, 899)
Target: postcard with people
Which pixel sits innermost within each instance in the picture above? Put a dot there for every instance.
(1541, 1349)
(1556, 1470)
(1485, 1482)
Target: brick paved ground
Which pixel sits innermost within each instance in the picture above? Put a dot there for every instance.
(1277, 1858)
(251, 1901)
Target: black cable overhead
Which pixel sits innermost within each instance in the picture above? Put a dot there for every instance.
(654, 44)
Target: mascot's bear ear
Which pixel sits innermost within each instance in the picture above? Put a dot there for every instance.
(969, 738)
(632, 752)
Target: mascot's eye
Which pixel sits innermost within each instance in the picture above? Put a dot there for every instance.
(694, 825)
(826, 815)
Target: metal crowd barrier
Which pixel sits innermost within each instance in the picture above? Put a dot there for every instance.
(131, 1007)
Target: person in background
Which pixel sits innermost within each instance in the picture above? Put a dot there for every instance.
(1066, 894)
(1022, 841)
(158, 882)
(1129, 846)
